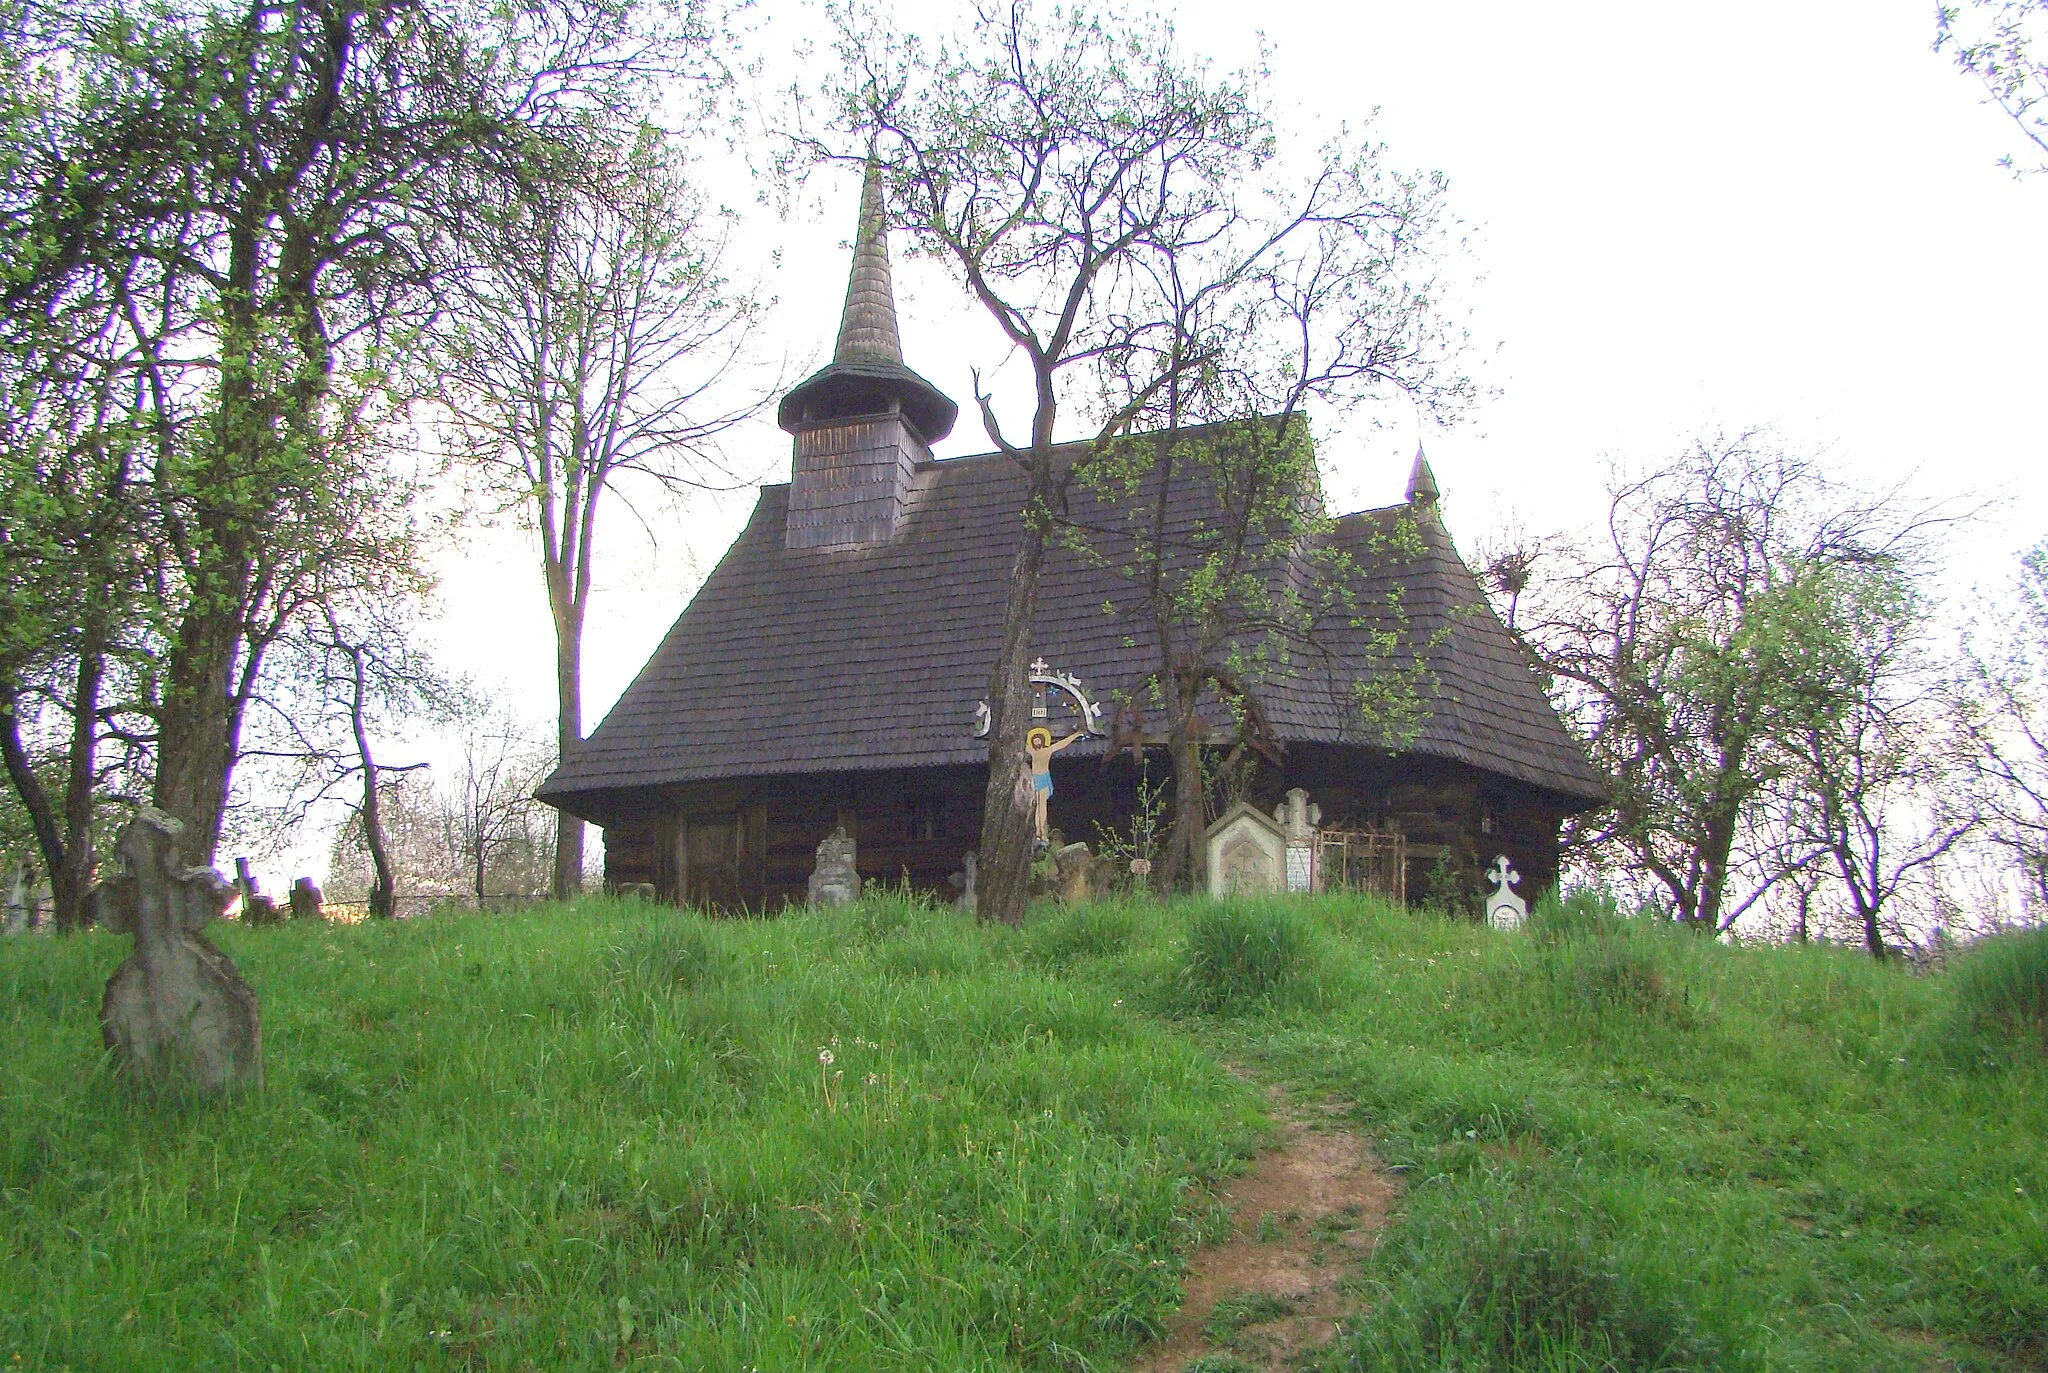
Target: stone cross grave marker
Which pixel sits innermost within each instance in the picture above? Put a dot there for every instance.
(1504, 909)
(176, 1011)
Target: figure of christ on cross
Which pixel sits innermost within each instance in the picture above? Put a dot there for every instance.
(1039, 744)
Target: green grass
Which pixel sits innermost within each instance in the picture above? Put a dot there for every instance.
(602, 1136)
(605, 1134)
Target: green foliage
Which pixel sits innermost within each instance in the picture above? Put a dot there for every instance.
(1482, 1293)
(2001, 988)
(1236, 1310)
(677, 955)
(1241, 955)
(1059, 935)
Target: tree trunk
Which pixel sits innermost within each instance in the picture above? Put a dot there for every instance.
(27, 786)
(1715, 846)
(1190, 812)
(196, 723)
(568, 881)
(195, 745)
(383, 882)
(1873, 937)
(1003, 883)
(71, 879)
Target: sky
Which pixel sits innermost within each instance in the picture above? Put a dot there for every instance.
(1682, 219)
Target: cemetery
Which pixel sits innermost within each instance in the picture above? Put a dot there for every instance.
(1134, 894)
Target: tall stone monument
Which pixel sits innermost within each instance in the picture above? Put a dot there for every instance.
(176, 1012)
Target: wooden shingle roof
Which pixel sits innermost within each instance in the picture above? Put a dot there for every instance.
(856, 658)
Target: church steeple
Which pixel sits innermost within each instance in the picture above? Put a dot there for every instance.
(866, 375)
(862, 422)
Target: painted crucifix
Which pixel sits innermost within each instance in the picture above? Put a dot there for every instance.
(1039, 743)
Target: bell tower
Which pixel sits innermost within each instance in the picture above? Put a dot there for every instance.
(864, 421)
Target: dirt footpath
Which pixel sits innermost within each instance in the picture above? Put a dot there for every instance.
(1305, 1215)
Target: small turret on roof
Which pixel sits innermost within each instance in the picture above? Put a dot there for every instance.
(866, 375)
(1422, 489)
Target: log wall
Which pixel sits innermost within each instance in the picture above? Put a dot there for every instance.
(749, 846)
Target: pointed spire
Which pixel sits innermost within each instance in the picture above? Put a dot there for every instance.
(866, 375)
(867, 327)
(1421, 481)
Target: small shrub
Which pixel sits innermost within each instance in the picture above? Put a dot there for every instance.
(933, 951)
(1506, 1296)
(1579, 914)
(1065, 934)
(1612, 972)
(1238, 1309)
(1239, 955)
(675, 955)
(2000, 986)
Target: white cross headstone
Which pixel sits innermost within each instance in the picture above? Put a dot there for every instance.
(1504, 909)
(1298, 816)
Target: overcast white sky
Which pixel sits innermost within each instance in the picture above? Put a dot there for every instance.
(1683, 218)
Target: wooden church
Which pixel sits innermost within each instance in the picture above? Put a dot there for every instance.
(828, 672)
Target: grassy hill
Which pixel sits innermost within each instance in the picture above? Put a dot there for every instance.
(608, 1135)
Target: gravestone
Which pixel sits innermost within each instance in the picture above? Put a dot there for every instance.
(176, 1011)
(21, 897)
(1504, 909)
(1247, 853)
(1072, 865)
(834, 882)
(257, 909)
(1299, 817)
(963, 883)
(308, 902)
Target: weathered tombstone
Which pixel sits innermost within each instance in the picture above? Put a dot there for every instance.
(1299, 817)
(176, 1009)
(1504, 909)
(308, 902)
(1247, 853)
(1072, 865)
(21, 896)
(963, 883)
(257, 909)
(834, 882)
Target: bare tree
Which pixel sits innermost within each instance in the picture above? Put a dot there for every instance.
(489, 815)
(1069, 165)
(1699, 648)
(1879, 791)
(589, 352)
(2007, 678)
(1334, 304)
(348, 673)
